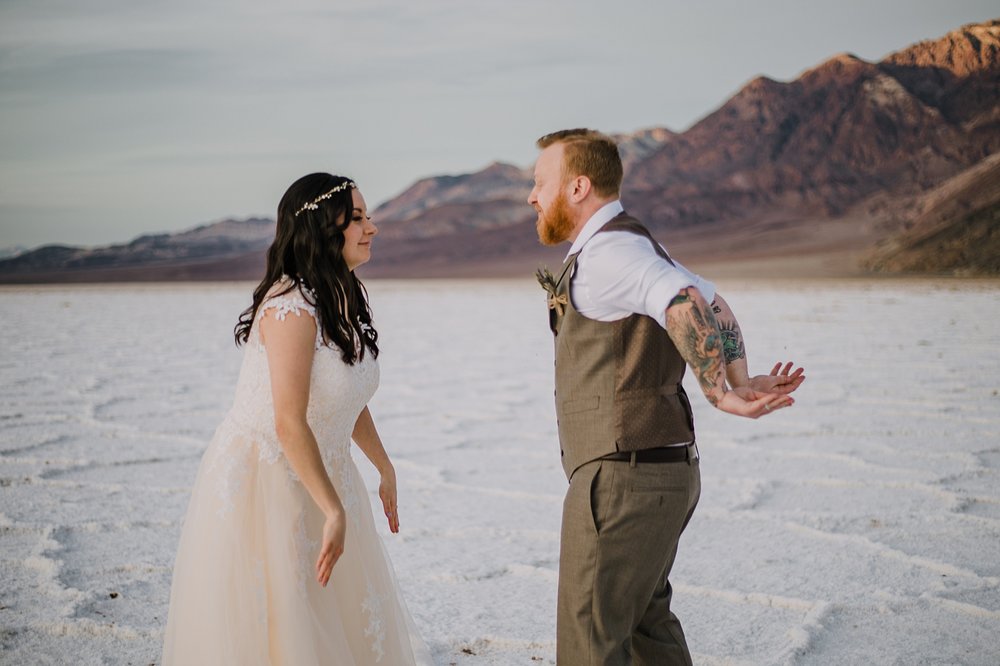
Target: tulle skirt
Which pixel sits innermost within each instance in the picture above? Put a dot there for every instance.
(244, 588)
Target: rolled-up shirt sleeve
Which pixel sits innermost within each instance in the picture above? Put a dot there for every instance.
(624, 274)
(706, 288)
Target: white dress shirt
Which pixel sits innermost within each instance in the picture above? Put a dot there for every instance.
(618, 273)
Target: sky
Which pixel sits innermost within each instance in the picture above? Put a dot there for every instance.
(125, 117)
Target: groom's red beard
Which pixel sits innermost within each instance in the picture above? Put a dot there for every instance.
(555, 224)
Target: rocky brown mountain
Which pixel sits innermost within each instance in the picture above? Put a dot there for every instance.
(848, 144)
(224, 250)
(493, 197)
(955, 228)
(840, 158)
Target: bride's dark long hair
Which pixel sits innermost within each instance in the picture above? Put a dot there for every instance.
(309, 249)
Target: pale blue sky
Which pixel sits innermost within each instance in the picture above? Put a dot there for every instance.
(123, 117)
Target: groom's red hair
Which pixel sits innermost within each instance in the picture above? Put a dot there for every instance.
(589, 153)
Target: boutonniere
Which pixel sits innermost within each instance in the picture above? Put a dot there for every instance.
(556, 301)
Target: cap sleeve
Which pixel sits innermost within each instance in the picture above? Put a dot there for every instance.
(291, 303)
(299, 301)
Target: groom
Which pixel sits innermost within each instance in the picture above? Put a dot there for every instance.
(627, 319)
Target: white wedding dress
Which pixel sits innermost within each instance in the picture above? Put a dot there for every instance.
(244, 589)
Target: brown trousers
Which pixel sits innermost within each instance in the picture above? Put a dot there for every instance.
(621, 524)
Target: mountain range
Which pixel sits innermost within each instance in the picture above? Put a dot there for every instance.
(854, 166)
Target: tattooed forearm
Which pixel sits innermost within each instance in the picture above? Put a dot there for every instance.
(732, 340)
(732, 336)
(694, 331)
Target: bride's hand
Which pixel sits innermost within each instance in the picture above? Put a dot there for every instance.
(387, 493)
(334, 531)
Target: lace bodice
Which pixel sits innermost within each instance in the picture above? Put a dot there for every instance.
(337, 391)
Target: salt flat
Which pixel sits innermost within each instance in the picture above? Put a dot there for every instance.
(860, 527)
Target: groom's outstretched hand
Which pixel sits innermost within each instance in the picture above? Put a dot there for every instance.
(746, 402)
(765, 393)
(781, 380)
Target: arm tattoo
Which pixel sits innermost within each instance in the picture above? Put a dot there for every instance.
(694, 331)
(732, 337)
(732, 340)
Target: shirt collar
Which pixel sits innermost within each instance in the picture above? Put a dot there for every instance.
(604, 214)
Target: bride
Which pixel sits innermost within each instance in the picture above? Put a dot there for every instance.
(279, 561)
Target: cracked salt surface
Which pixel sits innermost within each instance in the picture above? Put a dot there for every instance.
(861, 526)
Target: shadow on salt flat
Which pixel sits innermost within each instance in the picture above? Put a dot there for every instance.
(62, 503)
(982, 507)
(983, 601)
(473, 554)
(845, 497)
(159, 420)
(857, 634)
(753, 630)
(88, 642)
(736, 551)
(171, 473)
(85, 566)
(514, 618)
(967, 543)
(129, 596)
(68, 444)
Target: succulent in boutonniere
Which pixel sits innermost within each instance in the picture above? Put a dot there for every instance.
(556, 301)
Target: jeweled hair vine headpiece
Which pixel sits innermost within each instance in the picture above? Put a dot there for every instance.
(314, 204)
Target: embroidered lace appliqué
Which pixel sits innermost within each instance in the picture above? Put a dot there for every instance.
(230, 467)
(376, 620)
(340, 467)
(294, 302)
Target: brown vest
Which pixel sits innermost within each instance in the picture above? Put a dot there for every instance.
(618, 384)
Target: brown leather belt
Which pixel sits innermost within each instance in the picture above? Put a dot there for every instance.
(663, 454)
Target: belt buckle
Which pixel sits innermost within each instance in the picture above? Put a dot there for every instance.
(696, 456)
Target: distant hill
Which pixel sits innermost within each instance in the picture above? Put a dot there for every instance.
(841, 132)
(845, 160)
(826, 163)
(956, 228)
(230, 249)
